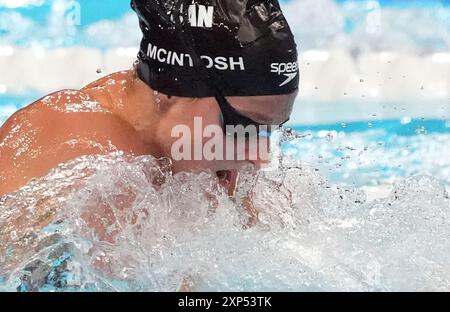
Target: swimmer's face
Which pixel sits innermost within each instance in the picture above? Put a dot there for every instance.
(265, 110)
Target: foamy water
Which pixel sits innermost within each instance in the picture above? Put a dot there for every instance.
(313, 235)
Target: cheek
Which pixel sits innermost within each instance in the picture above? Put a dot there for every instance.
(208, 114)
(206, 125)
(201, 130)
(195, 130)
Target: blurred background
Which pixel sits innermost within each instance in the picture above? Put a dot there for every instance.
(360, 59)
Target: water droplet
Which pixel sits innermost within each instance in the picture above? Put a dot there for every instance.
(405, 120)
(157, 98)
(329, 137)
(421, 130)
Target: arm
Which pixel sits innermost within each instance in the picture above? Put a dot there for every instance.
(37, 139)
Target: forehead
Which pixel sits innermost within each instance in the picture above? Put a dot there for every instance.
(271, 109)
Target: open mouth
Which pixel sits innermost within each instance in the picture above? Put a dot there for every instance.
(228, 179)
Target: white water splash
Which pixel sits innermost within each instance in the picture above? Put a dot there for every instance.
(312, 235)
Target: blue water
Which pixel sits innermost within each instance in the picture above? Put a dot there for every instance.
(110, 9)
(405, 3)
(397, 127)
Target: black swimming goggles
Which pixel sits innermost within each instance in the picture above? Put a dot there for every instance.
(232, 117)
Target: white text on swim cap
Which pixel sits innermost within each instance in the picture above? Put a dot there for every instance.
(199, 15)
(183, 59)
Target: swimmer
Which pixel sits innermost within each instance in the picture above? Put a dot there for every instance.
(227, 62)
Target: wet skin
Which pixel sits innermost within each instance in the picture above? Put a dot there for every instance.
(116, 113)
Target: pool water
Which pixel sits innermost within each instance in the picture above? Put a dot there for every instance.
(354, 209)
(375, 152)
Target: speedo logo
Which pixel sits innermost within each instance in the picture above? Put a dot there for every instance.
(290, 70)
(184, 59)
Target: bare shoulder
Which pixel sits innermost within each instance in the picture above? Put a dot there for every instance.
(117, 83)
(57, 128)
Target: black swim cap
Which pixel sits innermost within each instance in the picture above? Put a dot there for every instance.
(192, 47)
